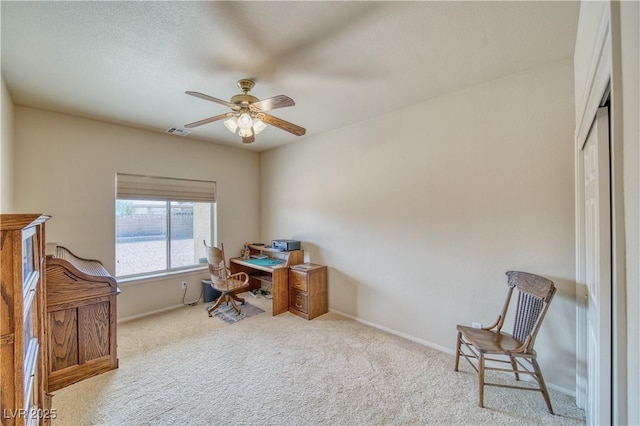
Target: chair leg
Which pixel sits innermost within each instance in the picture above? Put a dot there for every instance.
(236, 297)
(543, 387)
(215, 305)
(455, 368)
(514, 365)
(233, 304)
(481, 380)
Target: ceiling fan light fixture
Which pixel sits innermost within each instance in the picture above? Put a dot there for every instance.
(231, 124)
(258, 126)
(245, 121)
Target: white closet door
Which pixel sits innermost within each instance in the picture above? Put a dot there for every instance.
(597, 202)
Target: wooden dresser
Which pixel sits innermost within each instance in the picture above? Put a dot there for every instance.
(23, 343)
(308, 290)
(81, 309)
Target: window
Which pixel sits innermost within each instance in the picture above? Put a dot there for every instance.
(161, 223)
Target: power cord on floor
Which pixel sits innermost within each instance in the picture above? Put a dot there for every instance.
(266, 293)
(195, 302)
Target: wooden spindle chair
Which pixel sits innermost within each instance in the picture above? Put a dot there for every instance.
(223, 281)
(516, 349)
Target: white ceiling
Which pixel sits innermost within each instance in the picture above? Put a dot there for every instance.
(342, 62)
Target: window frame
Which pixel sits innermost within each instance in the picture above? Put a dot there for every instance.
(169, 205)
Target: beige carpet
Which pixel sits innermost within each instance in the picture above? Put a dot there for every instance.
(182, 367)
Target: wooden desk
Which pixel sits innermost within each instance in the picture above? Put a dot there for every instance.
(268, 270)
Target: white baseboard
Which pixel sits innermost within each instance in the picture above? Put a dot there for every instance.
(398, 333)
(146, 314)
(439, 348)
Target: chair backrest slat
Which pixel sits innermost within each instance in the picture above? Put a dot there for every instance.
(528, 310)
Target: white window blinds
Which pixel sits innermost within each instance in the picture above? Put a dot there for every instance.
(137, 187)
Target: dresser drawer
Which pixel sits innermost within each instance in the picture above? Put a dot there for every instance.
(298, 280)
(298, 300)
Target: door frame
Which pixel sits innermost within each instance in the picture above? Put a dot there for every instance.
(602, 87)
(596, 93)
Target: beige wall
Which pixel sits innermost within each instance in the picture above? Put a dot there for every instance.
(66, 167)
(6, 152)
(419, 213)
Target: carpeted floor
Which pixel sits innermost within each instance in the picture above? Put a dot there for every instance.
(183, 367)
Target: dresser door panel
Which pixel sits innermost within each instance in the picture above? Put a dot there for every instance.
(94, 326)
(63, 342)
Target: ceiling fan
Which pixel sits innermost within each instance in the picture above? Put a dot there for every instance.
(248, 114)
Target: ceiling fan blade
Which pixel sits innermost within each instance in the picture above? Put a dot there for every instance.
(274, 102)
(284, 125)
(206, 121)
(248, 139)
(212, 99)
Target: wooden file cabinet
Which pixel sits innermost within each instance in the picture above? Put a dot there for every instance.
(308, 290)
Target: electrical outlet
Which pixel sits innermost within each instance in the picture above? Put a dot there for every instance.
(476, 325)
(184, 284)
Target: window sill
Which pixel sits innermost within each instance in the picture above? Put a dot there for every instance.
(142, 279)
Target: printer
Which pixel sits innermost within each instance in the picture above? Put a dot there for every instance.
(285, 245)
